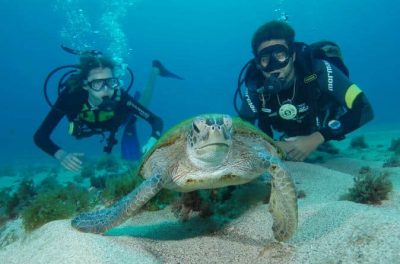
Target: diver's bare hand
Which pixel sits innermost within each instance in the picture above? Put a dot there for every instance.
(70, 161)
(299, 148)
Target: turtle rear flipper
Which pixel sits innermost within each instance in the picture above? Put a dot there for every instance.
(101, 221)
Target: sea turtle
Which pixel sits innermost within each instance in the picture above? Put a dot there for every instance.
(206, 152)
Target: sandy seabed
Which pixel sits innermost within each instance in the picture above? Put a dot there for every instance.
(330, 230)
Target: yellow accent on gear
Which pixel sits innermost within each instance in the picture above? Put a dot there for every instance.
(105, 115)
(351, 94)
(90, 116)
(87, 115)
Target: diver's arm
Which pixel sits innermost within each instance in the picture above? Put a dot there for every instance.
(70, 161)
(42, 134)
(359, 114)
(350, 97)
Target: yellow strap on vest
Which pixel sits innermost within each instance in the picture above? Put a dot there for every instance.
(351, 94)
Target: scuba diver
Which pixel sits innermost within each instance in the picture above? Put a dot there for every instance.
(301, 92)
(92, 99)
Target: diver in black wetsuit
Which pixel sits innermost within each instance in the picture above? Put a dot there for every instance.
(94, 103)
(307, 100)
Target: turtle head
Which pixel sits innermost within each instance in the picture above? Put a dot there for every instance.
(209, 139)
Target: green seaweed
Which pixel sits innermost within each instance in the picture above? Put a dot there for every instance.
(358, 143)
(59, 203)
(370, 188)
(392, 162)
(48, 183)
(21, 198)
(119, 185)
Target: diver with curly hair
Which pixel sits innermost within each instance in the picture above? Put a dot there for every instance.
(95, 103)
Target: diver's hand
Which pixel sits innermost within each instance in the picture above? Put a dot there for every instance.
(150, 143)
(299, 148)
(70, 161)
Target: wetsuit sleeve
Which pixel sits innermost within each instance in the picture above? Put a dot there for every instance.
(139, 110)
(358, 110)
(42, 135)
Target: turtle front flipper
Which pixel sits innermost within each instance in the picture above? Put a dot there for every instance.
(103, 220)
(283, 199)
(283, 202)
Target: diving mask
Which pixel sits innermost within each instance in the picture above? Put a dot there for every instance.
(99, 84)
(273, 58)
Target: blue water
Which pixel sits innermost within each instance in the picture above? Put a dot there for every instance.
(206, 41)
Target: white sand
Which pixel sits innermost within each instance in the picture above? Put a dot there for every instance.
(330, 231)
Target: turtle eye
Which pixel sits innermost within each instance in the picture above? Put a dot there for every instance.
(196, 128)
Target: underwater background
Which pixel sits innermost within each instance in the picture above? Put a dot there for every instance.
(207, 42)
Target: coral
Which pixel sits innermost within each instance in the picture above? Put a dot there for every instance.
(370, 188)
(392, 162)
(59, 203)
(187, 203)
(358, 143)
(395, 146)
(225, 203)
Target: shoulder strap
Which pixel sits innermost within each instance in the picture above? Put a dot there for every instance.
(304, 62)
(304, 66)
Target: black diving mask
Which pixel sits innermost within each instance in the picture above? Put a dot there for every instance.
(99, 84)
(273, 58)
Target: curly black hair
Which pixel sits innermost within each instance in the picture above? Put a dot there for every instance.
(272, 30)
(88, 62)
